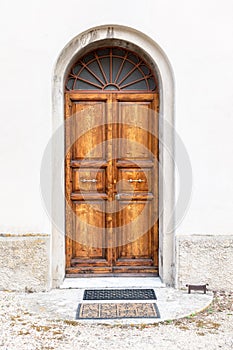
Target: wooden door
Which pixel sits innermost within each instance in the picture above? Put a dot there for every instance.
(111, 183)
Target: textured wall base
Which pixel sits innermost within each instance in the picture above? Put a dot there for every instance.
(205, 259)
(24, 261)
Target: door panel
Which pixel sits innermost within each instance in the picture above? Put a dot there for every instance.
(135, 121)
(87, 176)
(128, 180)
(89, 180)
(136, 167)
(89, 217)
(139, 246)
(89, 129)
(111, 183)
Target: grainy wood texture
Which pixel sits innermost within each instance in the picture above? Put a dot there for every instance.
(111, 183)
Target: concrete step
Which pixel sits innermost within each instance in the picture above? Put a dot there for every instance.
(112, 282)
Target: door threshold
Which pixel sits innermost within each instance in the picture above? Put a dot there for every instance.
(112, 282)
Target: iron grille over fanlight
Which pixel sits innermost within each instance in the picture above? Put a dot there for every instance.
(111, 68)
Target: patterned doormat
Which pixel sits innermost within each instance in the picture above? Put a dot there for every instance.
(119, 294)
(117, 310)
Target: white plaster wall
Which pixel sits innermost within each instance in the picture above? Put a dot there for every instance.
(196, 36)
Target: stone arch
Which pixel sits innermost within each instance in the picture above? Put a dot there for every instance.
(147, 48)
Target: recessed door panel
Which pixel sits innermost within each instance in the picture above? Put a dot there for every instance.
(134, 180)
(89, 129)
(89, 234)
(88, 180)
(134, 123)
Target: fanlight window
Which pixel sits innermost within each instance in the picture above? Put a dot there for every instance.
(111, 69)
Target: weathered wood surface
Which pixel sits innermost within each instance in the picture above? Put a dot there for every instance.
(103, 174)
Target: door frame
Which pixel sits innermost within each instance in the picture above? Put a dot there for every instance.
(82, 43)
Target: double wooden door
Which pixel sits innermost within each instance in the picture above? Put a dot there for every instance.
(111, 183)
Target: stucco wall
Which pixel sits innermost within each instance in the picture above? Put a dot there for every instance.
(196, 35)
(24, 261)
(205, 259)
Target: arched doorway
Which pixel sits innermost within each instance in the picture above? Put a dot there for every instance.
(129, 38)
(111, 172)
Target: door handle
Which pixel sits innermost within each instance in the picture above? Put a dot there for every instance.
(138, 180)
(88, 180)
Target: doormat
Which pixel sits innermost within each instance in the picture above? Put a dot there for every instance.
(119, 294)
(115, 311)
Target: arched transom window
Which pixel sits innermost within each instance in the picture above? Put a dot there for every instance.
(111, 68)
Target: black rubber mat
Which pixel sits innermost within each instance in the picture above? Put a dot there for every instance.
(119, 294)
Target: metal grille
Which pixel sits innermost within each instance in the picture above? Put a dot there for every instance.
(119, 294)
(112, 69)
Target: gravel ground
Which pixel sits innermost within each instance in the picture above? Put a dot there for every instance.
(22, 330)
